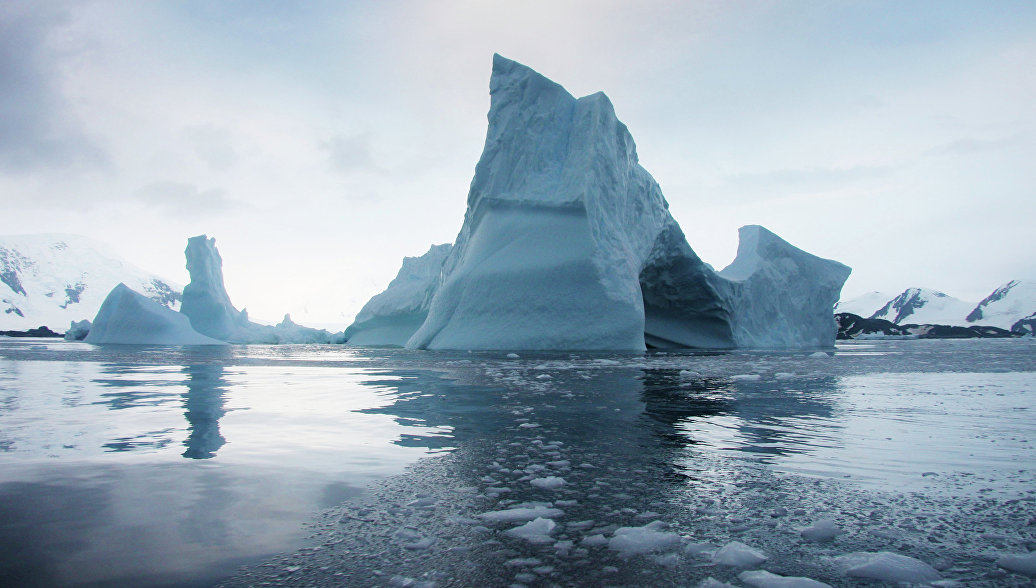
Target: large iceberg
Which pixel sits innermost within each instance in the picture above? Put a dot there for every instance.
(207, 304)
(391, 317)
(567, 243)
(127, 317)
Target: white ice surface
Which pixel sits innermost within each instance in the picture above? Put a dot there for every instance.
(887, 567)
(821, 531)
(738, 555)
(764, 579)
(1020, 564)
(521, 514)
(127, 317)
(649, 538)
(538, 531)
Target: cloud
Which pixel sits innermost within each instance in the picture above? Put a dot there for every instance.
(818, 178)
(348, 155)
(972, 146)
(212, 145)
(186, 200)
(37, 126)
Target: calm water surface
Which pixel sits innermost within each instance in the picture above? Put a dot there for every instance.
(174, 466)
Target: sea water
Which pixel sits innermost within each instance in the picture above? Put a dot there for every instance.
(329, 465)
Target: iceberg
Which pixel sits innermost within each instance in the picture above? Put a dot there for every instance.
(205, 300)
(392, 317)
(779, 295)
(127, 317)
(568, 243)
(77, 330)
(207, 304)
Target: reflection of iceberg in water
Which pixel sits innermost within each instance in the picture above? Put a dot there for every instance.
(611, 407)
(204, 405)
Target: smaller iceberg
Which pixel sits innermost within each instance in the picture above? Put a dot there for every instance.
(391, 317)
(207, 305)
(127, 317)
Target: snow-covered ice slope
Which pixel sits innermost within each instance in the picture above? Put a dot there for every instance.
(924, 306)
(782, 296)
(1007, 306)
(392, 317)
(864, 305)
(55, 279)
(207, 304)
(567, 243)
(127, 317)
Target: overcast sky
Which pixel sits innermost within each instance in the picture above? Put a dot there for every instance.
(320, 142)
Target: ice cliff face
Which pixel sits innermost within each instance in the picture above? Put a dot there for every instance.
(567, 243)
(127, 317)
(392, 317)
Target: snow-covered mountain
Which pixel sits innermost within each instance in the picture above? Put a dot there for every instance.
(54, 279)
(924, 306)
(1007, 306)
(864, 305)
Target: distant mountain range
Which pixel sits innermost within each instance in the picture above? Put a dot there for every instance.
(55, 279)
(1011, 307)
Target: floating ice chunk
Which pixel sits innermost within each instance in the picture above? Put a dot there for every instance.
(739, 555)
(689, 374)
(78, 330)
(513, 356)
(548, 483)
(822, 530)
(711, 582)
(820, 355)
(886, 567)
(523, 562)
(746, 377)
(420, 544)
(597, 540)
(1020, 564)
(764, 579)
(514, 515)
(537, 531)
(635, 540)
